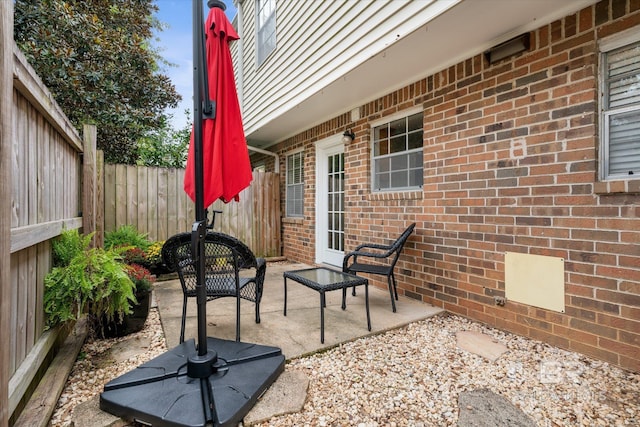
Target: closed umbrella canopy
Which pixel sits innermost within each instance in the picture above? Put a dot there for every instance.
(226, 165)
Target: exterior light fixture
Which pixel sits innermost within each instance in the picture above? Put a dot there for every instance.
(509, 48)
(348, 136)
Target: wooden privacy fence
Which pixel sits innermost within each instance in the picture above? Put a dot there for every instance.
(51, 182)
(153, 200)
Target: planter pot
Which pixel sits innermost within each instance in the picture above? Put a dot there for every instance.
(130, 323)
(159, 269)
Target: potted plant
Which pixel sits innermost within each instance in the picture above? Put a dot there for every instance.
(141, 250)
(135, 249)
(134, 321)
(153, 259)
(126, 235)
(86, 280)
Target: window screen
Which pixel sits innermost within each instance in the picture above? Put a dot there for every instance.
(397, 154)
(621, 111)
(295, 184)
(266, 34)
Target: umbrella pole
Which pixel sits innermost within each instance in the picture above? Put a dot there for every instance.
(203, 108)
(199, 228)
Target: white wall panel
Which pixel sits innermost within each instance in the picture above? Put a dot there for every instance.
(318, 43)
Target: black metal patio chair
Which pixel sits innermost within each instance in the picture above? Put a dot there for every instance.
(387, 257)
(225, 258)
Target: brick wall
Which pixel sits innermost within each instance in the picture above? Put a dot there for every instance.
(510, 164)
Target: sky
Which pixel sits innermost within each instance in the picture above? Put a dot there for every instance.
(175, 45)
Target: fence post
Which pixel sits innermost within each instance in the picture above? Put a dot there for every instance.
(6, 110)
(99, 237)
(89, 136)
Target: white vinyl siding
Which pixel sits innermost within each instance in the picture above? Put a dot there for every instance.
(318, 43)
(397, 154)
(620, 86)
(266, 29)
(295, 185)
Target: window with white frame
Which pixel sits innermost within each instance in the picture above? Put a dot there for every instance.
(620, 106)
(397, 154)
(295, 184)
(266, 28)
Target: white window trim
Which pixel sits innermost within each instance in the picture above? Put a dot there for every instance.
(620, 39)
(384, 120)
(395, 116)
(259, 60)
(606, 45)
(286, 183)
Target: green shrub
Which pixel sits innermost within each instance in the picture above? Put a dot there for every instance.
(69, 244)
(126, 235)
(94, 280)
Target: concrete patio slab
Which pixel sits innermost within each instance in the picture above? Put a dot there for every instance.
(298, 333)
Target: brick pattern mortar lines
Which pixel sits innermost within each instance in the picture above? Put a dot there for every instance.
(510, 164)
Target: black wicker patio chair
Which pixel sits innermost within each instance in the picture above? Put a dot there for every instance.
(225, 257)
(387, 255)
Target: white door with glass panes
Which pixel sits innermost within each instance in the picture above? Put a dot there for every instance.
(330, 201)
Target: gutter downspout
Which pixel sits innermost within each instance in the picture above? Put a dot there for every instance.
(268, 153)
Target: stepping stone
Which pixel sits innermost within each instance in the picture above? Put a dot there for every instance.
(88, 414)
(285, 396)
(129, 348)
(484, 408)
(480, 344)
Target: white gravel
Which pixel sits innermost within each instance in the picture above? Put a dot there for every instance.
(96, 366)
(412, 377)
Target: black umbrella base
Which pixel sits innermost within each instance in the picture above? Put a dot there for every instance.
(181, 388)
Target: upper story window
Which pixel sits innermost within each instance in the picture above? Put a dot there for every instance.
(397, 154)
(620, 106)
(295, 184)
(266, 28)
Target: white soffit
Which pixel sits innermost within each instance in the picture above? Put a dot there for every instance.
(466, 29)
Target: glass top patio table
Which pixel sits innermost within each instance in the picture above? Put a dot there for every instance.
(323, 279)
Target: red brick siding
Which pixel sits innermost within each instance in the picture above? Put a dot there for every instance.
(510, 164)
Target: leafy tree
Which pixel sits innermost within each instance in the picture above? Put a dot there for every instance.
(96, 58)
(165, 146)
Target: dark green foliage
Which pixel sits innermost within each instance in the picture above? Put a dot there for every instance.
(68, 245)
(96, 58)
(126, 236)
(165, 147)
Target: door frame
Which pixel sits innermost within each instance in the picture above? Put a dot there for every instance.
(324, 148)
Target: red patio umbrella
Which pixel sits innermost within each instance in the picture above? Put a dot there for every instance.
(226, 165)
(218, 165)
